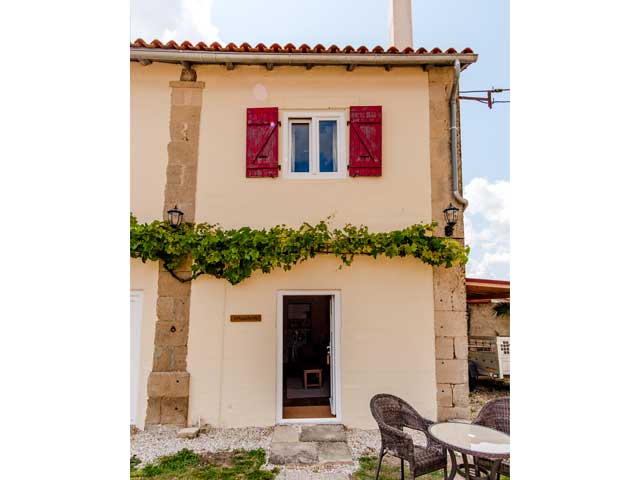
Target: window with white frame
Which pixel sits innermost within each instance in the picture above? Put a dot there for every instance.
(314, 144)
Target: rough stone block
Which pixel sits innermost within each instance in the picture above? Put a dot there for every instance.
(168, 385)
(186, 96)
(439, 77)
(174, 169)
(170, 358)
(172, 197)
(189, 432)
(447, 413)
(170, 287)
(189, 209)
(181, 153)
(165, 309)
(449, 289)
(323, 433)
(174, 175)
(461, 347)
(452, 371)
(178, 362)
(445, 395)
(186, 84)
(190, 176)
(444, 347)
(171, 333)
(173, 411)
(284, 433)
(450, 324)
(334, 452)
(182, 307)
(162, 358)
(287, 453)
(153, 412)
(461, 395)
(185, 123)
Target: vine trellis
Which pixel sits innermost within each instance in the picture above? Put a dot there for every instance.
(235, 254)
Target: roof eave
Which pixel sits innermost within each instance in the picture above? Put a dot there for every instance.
(147, 55)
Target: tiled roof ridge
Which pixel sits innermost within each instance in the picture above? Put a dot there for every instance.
(291, 48)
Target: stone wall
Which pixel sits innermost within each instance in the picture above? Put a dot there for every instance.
(483, 321)
(168, 384)
(448, 283)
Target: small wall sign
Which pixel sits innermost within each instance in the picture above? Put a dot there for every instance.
(247, 318)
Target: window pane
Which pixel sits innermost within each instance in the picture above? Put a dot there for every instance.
(328, 146)
(299, 147)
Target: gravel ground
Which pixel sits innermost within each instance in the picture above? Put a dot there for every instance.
(367, 442)
(486, 390)
(160, 441)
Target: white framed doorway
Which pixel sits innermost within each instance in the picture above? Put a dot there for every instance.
(134, 350)
(334, 352)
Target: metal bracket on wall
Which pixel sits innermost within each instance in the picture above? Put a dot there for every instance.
(488, 100)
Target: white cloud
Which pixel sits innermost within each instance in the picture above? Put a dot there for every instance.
(177, 20)
(486, 224)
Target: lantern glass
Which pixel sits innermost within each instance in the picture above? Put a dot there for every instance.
(451, 214)
(175, 216)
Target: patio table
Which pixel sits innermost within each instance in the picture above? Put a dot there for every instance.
(474, 440)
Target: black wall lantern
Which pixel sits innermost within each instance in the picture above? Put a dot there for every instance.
(451, 216)
(175, 216)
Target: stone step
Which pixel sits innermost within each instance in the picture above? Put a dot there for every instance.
(309, 444)
(334, 452)
(307, 453)
(323, 433)
(285, 433)
(288, 453)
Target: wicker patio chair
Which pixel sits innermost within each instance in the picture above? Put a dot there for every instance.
(393, 414)
(495, 414)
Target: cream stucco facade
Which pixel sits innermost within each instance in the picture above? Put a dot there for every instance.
(384, 302)
(387, 308)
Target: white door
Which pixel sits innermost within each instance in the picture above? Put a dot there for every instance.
(134, 338)
(332, 350)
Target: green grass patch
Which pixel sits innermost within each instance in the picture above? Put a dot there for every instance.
(187, 465)
(134, 462)
(390, 470)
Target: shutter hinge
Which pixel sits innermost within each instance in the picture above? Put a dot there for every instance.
(279, 167)
(348, 122)
(279, 123)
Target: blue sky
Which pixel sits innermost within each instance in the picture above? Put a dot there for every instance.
(482, 25)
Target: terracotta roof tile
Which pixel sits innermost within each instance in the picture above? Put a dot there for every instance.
(291, 48)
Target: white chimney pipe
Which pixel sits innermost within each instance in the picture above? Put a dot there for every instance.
(400, 26)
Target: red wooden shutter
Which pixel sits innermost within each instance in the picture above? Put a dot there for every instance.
(262, 142)
(365, 141)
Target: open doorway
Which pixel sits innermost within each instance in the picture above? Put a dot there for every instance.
(307, 363)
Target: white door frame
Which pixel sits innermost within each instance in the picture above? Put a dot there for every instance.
(335, 356)
(136, 302)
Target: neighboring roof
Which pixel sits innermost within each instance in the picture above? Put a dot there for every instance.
(484, 289)
(289, 54)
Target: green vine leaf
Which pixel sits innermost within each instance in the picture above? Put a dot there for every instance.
(235, 254)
